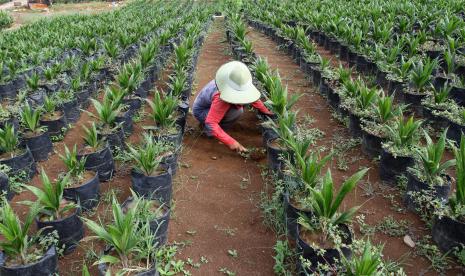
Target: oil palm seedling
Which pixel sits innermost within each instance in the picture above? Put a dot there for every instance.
(83, 186)
(326, 205)
(311, 167)
(76, 84)
(148, 156)
(153, 212)
(457, 201)
(91, 137)
(441, 95)
(366, 98)
(285, 126)
(33, 81)
(326, 224)
(5, 20)
(248, 47)
(111, 48)
(261, 69)
(367, 261)
(8, 139)
(384, 109)
(450, 219)
(56, 213)
(129, 76)
(36, 138)
(398, 150)
(50, 197)
(74, 165)
(86, 71)
(21, 250)
(352, 88)
(163, 111)
(88, 46)
(178, 83)
(147, 54)
(97, 153)
(278, 100)
(431, 169)
(344, 74)
(401, 72)
(149, 177)
(373, 128)
(51, 118)
(277, 147)
(106, 112)
(404, 133)
(420, 76)
(127, 239)
(428, 183)
(306, 167)
(30, 119)
(18, 158)
(182, 55)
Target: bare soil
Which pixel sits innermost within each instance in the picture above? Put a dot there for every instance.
(217, 191)
(316, 239)
(23, 15)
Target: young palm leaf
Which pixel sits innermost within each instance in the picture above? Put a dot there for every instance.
(163, 110)
(50, 198)
(91, 136)
(430, 158)
(73, 164)
(366, 263)
(122, 234)
(16, 241)
(8, 139)
(325, 205)
(147, 156)
(31, 119)
(404, 132)
(459, 197)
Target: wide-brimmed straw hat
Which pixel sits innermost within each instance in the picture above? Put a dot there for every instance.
(234, 81)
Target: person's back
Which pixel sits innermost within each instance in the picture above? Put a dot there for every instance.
(219, 104)
(203, 101)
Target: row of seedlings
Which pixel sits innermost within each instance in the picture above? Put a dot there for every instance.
(147, 210)
(387, 133)
(50, 207)
(23, 52)
(45, 109)
(310, 202)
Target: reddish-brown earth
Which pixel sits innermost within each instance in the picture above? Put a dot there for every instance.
(217, 191)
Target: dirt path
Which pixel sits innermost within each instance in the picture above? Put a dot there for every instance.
(23, 15)
(9, 5)
(217, 191)
(378, 200)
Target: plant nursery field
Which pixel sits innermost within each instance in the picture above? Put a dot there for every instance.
(358, 169)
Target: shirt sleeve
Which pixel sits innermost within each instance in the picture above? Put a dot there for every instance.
(217, 111)
(261, 107)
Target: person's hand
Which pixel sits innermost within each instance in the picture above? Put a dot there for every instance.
(269, 115)
(237, 147)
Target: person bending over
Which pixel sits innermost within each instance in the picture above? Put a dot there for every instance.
(220, 103)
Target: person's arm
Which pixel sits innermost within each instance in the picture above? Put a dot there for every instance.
(261, 107)
(217, 111)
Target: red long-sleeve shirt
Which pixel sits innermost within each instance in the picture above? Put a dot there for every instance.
(217, 111)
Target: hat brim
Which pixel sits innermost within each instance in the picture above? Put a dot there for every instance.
(230, 95)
